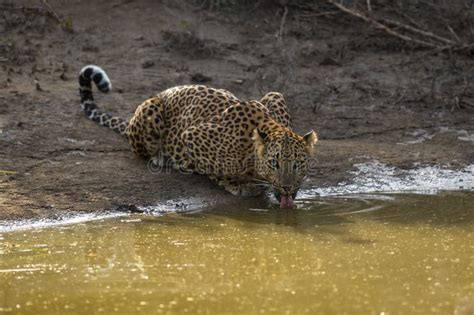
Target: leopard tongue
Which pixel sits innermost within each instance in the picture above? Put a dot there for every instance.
(286, 202)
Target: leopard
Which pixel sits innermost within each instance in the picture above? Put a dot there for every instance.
(245, 146)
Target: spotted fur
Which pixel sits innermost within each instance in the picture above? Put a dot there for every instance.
(210, 131)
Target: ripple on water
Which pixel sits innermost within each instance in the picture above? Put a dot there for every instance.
(9, 226)
(184, 205)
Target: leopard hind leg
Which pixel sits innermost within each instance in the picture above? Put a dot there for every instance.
(276, 104)
(146, 128)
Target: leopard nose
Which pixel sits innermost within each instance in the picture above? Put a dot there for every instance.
(286, 189)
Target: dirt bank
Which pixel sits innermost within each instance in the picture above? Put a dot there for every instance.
(369, 96)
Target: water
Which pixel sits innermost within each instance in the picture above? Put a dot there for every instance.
(355, 254)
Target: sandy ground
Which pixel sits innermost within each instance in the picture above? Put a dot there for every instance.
(367, 95)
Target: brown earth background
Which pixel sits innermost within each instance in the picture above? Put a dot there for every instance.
(365, 92)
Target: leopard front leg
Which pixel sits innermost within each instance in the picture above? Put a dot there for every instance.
(237, 187)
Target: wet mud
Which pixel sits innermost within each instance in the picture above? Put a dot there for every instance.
(369, 97)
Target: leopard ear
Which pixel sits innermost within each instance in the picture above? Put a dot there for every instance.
(259, 138)
(310, 138)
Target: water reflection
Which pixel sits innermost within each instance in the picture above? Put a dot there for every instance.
(353, 254)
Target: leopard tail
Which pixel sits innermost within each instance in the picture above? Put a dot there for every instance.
(86, 76)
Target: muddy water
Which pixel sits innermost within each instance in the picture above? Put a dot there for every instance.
(362, 254)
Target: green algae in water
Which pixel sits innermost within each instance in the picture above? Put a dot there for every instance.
(356, 255)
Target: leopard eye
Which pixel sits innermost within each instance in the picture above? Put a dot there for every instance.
(275, 164)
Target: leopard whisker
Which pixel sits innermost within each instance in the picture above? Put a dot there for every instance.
(260, 181)
(262, 185)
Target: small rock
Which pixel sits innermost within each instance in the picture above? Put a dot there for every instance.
(128, 208)
(38, 86)
(329, 61)
(90, 48)
(148, 64)
(200, 78)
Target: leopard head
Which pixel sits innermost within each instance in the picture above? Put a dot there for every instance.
(282, 159)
